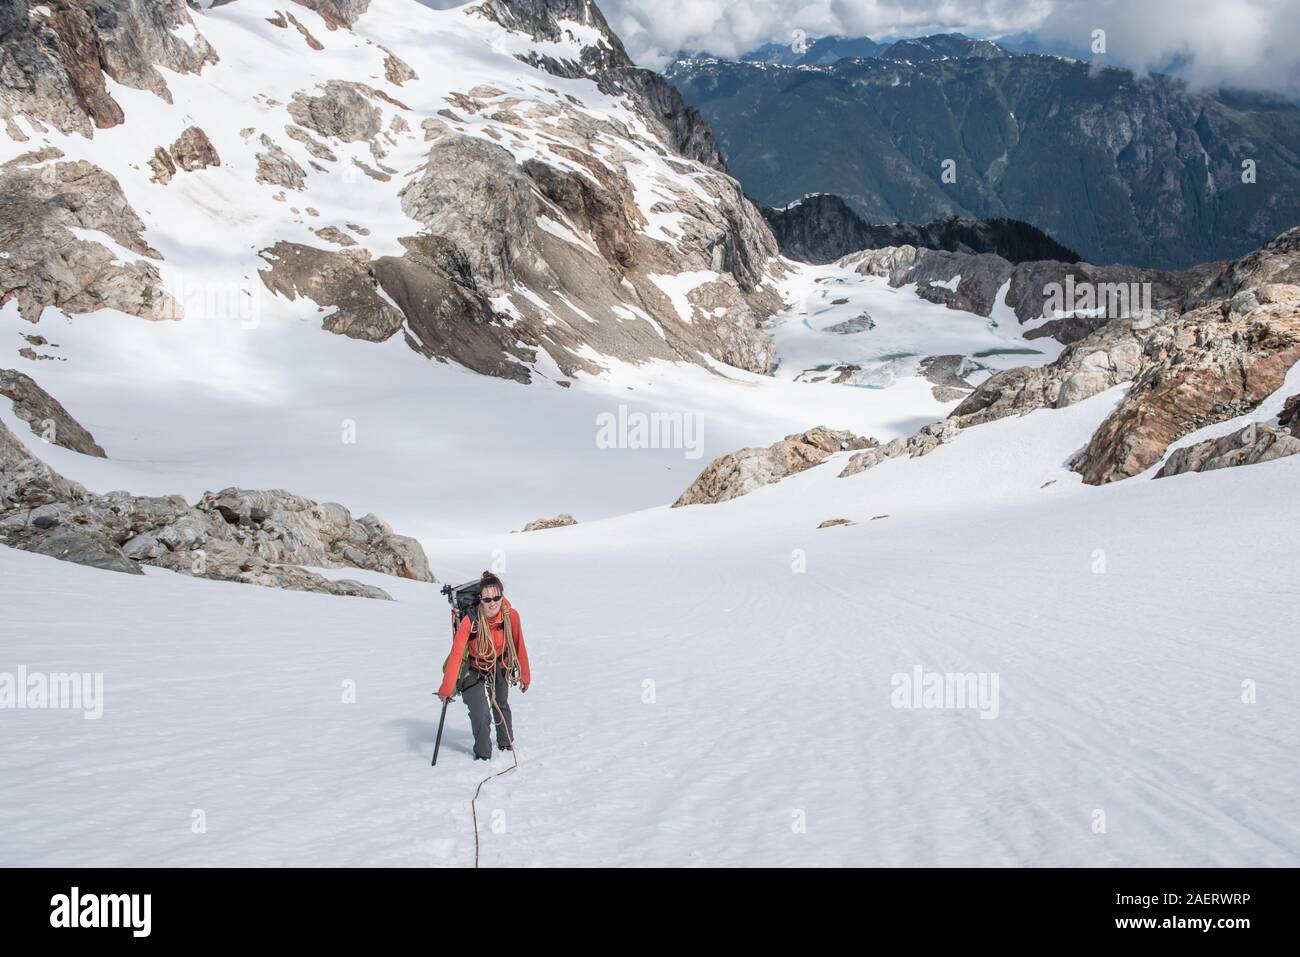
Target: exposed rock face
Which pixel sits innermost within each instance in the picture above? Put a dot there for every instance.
(739, 473)
(275, 167)
(544, 20)
(194, 151)
(191, 151)
(447, 320)
(1257, 442)
(564, 518)
(48, 265)
(1201, 369)
(1036, 288)
(1290, 415)
(46, 415)
(341, 110)
(260, 538)
(658, 101)
(475, 197)
(947, 374)
(337, 13)
(289, 529)
(343, 281)
(54, 56)
(923, 442)
(1211, 364)
(396, 70)
(1111, 355)
(820, 228)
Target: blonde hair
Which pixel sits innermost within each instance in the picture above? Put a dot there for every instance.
(483, 648)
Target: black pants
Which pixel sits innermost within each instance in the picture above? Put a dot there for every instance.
(474, 689)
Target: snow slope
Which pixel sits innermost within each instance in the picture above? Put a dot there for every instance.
(770, 644)
(1119, 692)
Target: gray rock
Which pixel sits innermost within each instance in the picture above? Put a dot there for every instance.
(48, 265)
(277, 168)
(924, 441)
(559, 521)
(473, 197)
(739, 473)
(47, 418)
(256, 537)
(69, 545)
(341, 110)
(1257, 442)
(343, 280)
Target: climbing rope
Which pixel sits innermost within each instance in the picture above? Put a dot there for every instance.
(511, 669)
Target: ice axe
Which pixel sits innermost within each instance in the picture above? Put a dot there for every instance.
(438, 742)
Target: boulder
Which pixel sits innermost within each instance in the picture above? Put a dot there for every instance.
(739, 473)
(1257, 442)
(564, 518)
(924, 441)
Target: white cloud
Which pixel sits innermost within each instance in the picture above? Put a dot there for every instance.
(1252, 43)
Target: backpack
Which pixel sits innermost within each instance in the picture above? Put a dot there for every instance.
(464, 602)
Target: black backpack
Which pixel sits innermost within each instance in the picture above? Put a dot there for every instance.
(464, 603)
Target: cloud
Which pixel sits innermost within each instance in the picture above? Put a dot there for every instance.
(1248, 43)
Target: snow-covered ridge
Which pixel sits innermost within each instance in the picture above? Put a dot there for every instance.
(316, 139)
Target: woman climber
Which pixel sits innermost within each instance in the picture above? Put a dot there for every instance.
(487, 656)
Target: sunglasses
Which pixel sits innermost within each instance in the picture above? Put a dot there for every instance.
(491, 601)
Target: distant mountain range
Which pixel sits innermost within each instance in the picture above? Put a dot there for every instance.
(1119, 168)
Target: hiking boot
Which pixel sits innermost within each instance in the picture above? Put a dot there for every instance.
(505, 747)
(481, 757)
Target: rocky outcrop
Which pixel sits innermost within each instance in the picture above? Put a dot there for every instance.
(54, 58)
(194, 151)
(947, 376)
(260, 538)
(342, 110)
(820, 228)
(922, 442)
(275, 167)
(1257, 442)
(45, 415)
(1206, 367)
(476, 199)
(191, 151)
(739, 473)
(289, 529)
(343, 283)
(544, 20)
(1091, 296)
(337, 13)
(48, 265)
(447, 320)
(1112, 355)
(561, 520)
(658, 101)
(1290, 415)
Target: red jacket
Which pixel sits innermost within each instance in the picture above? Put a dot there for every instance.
(452, 670)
